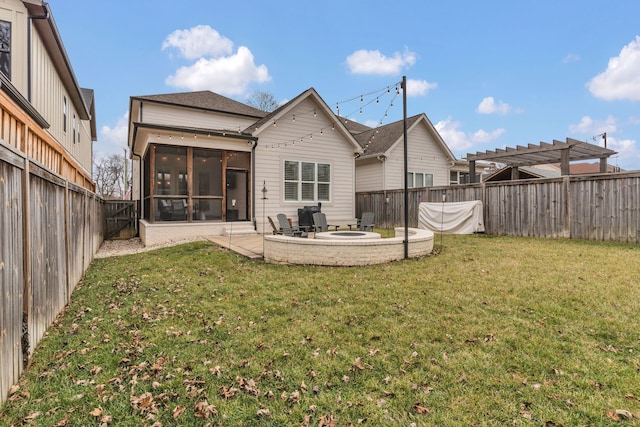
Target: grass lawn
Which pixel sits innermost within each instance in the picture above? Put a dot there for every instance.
(490, 331)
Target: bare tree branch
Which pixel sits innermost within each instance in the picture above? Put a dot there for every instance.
(108, 173)
(262, 100)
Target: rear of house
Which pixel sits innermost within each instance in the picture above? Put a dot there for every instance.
(202, 161)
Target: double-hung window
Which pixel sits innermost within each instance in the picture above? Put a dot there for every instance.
(307, 181)
(419, 179)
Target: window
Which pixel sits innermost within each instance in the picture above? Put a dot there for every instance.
(64, 114)
(5, 48)
(307, 181)
(74, 128)
(419, 179)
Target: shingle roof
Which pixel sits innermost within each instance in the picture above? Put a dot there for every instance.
(206, 100)
(379, 140)
(354, 127)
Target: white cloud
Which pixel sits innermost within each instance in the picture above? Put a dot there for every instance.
(589, 126)
(228, 75)
(419, 87)
(458, 140)
(197, 42)
(628, 156)
(572, 57)
(373, 62)
(489, 106)
(481, 136)
(621, 79)
(114, 138)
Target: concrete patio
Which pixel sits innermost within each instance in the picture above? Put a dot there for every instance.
(249, 245)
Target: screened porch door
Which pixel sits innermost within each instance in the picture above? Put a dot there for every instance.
(237, 195)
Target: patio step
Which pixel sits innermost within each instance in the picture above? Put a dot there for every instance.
(239, 229)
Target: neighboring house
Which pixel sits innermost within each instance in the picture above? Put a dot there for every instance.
(381, 166)
(582, 168)
(523, 172)
(46, 114)
(204, 160)
(459, 172)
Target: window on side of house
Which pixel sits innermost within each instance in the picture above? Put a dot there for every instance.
(74, 128)
(5, 48)
(453, 177)
(419, 179)
(307, 181)
(64, 114)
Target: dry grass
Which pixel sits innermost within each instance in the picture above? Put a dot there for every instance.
(491, 331)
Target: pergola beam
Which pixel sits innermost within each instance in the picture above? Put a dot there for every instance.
(545, 153)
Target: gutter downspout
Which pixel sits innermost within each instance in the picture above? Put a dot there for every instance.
(29, 19)
(253, 184)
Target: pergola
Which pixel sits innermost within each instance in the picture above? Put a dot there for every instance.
(545, 153)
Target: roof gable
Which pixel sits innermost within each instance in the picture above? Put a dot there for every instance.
(264, 123)
(381, 140)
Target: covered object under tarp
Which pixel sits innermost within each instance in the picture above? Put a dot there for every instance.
(452, 218)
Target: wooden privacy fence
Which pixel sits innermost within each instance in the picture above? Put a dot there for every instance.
(50, 229)
(603, 207)
(121, 219)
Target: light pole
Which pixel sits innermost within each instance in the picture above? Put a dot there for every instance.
(406, 166)
(264, 197)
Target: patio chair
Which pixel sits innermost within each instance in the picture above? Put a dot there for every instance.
(366, 222)
(320, 222)
(288, 230)
(276, 230)
(166, 210)
(363, 224)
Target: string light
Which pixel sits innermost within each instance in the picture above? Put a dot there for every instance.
(359, 110)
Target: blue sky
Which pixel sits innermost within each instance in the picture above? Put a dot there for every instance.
(487, 74)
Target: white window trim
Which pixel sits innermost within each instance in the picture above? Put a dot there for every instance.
(424, 181)
(299, 182)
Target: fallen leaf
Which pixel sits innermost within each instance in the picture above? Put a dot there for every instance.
(204, 410)
(624, 414)
(328, 421)
(178, 411)
(294, 397)
(97, 412)
(33, 415)
(263, 413)
(421, 409)
(613, 416)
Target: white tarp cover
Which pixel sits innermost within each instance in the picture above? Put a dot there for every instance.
(452, 218)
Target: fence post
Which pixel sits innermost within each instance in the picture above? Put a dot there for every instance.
(26, 247)
(566, 193)
(67, 228)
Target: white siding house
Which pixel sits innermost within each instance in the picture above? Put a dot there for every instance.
(381, 166)
(203, 161)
